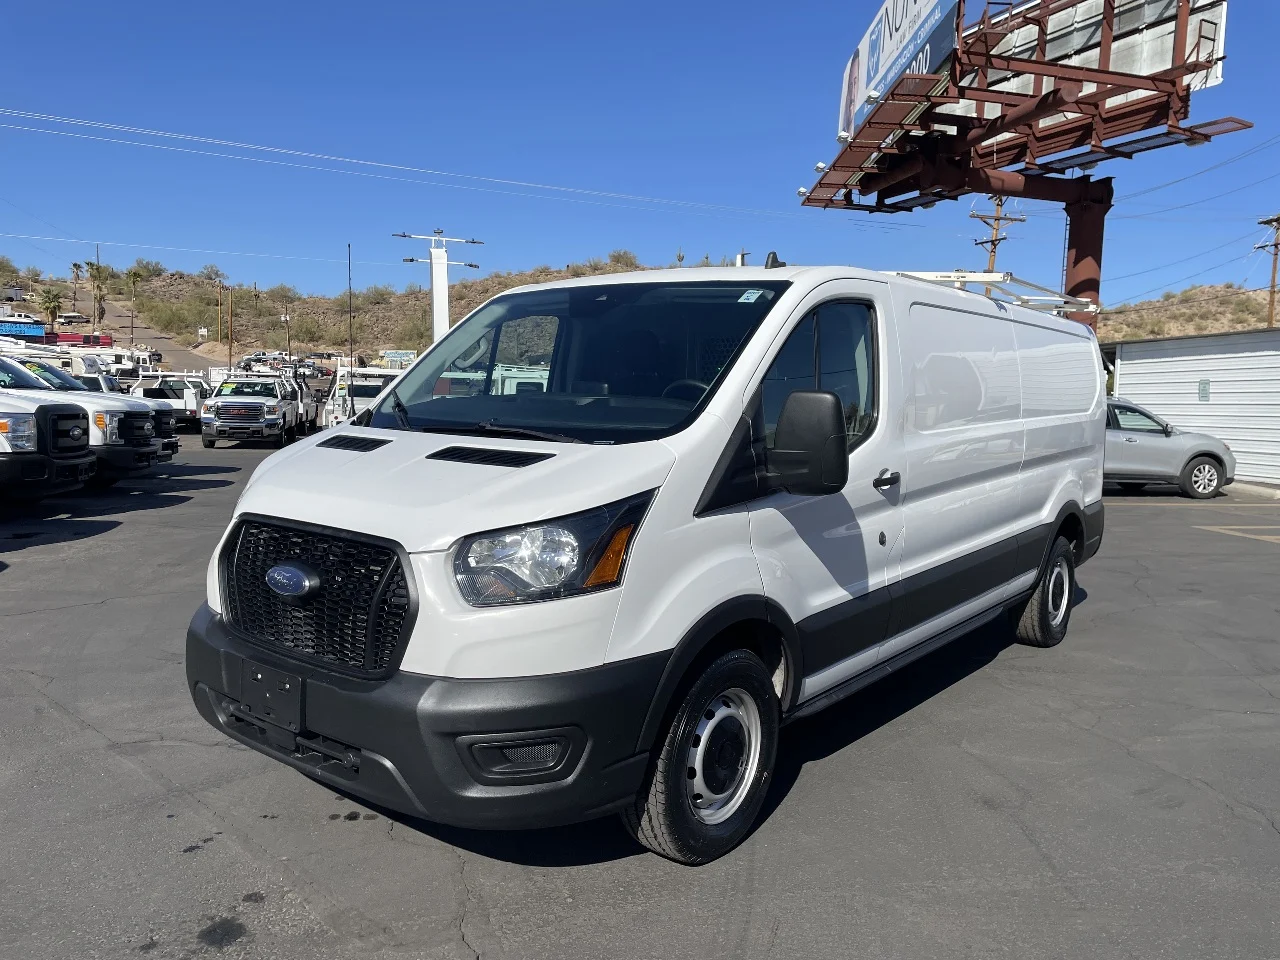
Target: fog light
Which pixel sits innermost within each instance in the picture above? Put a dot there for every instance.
(528, 756)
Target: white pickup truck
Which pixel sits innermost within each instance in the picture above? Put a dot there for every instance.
(251, 407)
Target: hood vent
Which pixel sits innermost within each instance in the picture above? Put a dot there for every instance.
(349, 441)
(489, 457)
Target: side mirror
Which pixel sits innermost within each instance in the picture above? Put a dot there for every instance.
(1168, 429)
(810, 454)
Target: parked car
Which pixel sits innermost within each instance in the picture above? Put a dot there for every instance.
(740, 496)
(44, 447)
(249, 407)
(1142, 449)
(121, 431)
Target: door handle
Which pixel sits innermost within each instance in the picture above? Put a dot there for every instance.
(887, 479)
(1130, 439)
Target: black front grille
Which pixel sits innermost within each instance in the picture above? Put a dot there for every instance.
(137, 428)
(357, 621)
(65, 438)
(250, 413)
(166, 424)
(488, 457)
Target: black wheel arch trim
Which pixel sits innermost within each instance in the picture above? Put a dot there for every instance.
(738, 611)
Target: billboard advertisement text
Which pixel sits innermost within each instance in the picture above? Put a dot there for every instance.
(906, 36)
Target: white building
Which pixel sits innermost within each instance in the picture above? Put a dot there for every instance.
(1225, 384)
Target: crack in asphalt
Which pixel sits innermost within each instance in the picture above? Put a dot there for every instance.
(465, 907)
(97, 603)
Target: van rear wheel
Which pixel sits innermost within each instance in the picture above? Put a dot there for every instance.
(1043, 621)
(705, 788)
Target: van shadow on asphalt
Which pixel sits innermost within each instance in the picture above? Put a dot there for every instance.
(810, 740)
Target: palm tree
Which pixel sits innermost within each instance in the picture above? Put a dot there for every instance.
(50, 301)
(98, 276)
(77, 271)
(132, 276)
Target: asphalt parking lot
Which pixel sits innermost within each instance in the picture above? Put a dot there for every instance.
(1118, 796)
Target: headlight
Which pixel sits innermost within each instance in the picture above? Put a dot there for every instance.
(271, 410)
(545, 561)
(109, 423)
(207, 410)
(19, 429)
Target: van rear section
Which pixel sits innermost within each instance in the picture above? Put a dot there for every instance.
(609, 534)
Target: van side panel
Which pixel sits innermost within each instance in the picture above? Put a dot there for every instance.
(1065, 412)
(963, 452)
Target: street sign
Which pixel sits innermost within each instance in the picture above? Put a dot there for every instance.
(398, 354)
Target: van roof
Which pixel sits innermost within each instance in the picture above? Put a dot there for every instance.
(815, 275)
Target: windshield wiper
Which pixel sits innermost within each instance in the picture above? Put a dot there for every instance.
(401, 411)
(498, 429)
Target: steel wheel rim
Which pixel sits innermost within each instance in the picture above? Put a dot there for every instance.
(1059, 592)
(1204, 478)
(724, 756)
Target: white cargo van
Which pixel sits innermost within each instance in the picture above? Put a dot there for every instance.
(735, 497)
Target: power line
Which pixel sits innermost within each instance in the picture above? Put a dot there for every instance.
(1173, 263)
(1183, 303)
(582, 193)
(219, 253)
(1194, 203)
(1209, 169)
(1216, 266)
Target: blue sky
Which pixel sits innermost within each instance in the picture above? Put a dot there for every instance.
(711, 104)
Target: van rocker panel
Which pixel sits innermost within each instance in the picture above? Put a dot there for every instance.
(406, 743)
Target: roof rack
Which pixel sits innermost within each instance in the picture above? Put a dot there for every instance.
(1006, 288)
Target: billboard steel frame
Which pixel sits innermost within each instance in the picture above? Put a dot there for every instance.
(914, 150)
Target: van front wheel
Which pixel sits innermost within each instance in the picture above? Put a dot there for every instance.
(1043, 621)
(707, 784)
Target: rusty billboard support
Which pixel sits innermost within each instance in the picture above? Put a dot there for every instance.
(933, 137)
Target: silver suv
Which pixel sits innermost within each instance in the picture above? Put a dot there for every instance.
(1142, 449)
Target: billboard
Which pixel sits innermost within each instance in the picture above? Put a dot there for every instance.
(907, 36)
(21, 329)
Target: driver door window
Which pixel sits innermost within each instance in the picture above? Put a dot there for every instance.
(1129, 419)
(831, 349)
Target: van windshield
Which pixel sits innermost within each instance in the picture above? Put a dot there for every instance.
(605, 363)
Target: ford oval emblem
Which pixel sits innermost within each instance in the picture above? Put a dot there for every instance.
(293, 581)
(148, 429)
(75, 433)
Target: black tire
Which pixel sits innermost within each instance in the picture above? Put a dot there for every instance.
(1201, 478)
(1132, 487)
(279, 440)
(207, 443)
(663, 817)
(1043, 621)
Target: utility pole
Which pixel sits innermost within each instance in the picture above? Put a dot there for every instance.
(996, 222)
(351, 317)
(231, 319)
(288, 339)
(97, 289)
(440, 264)
(219, 284)
(1274, 247)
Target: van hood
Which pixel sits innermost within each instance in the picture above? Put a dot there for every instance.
(401, 493)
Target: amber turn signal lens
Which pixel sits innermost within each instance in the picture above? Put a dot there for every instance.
(100, 420)
(609, 568)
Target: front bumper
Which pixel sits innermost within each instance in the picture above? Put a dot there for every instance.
(169, 446)
(126, 460)
(413, 743)
(254, 430)
(31, 475)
